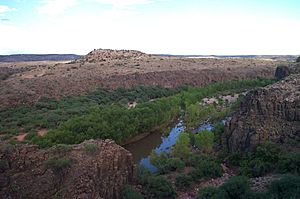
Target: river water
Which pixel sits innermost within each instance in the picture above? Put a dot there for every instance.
(141, 149)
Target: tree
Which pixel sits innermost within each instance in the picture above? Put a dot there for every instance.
(204, 141)
(182, 147)
(298, 60)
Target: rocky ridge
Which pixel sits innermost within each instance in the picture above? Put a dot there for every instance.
(93, 169)
(101, 55)
(270, 113)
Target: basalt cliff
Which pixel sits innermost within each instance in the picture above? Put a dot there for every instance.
(270, 113)
(94, 169)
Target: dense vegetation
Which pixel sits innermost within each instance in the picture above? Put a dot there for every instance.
(49, 113)
(265, 159)
(206, 166)
(120, 123)
(238, 187)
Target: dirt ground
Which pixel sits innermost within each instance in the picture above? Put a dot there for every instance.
(29, 81)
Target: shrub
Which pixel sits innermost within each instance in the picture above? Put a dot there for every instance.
(173, 164)
(91, 149)
(4, 76)
(159, 188)
(235, 187)
(268, 152)
(196, 159)
(285, 188)
(289, 163)
(255, 168)
(183, 181)
(31, 135)
(57, 165)
(262, 161)
(164, 164)
(206, 169)
(182, 147)
(143, 174)
(128, 192)
(204, 141)
(207, 193)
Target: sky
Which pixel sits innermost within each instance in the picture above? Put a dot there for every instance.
(186, 27)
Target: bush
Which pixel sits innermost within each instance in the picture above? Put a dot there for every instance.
(4, 76)
(183, 181)
(289, 163)
(262, 161)
(182, 147)
(31, 135)
(268, 152)
(128, 192)
(196, 159)
(173, 164)
(235, 187)
(206, 169)
(298, 60)
(143, 174)
(165, 164)
(57, 165)
(159, 188)
(204, 141)
(256, 168)
(91, 149)
(285, 188)
(207, 193)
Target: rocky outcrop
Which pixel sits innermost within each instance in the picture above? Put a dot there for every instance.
(270, 113)
(282, 72)
(100, 55)
(93, 169)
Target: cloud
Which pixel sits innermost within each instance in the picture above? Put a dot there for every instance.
(55, 7)
(122, 3)
(5, 9)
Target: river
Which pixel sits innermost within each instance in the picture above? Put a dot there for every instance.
(141, 149)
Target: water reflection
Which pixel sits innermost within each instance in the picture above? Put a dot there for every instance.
(141, 150)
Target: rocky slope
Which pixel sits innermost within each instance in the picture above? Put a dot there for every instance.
(99, 55)
(271, 113)
(93, 169)
(30, 81)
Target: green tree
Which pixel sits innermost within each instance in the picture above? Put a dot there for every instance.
(298, 59)
(182, 147)
(204, 141)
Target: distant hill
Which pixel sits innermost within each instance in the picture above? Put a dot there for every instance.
(38, 57)
(271, 57)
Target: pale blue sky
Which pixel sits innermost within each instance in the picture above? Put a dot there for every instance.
(153, 26)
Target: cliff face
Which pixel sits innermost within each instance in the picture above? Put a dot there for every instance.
(271, 113)
(93, 169)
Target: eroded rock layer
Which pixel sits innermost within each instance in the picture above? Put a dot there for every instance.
(93, 169)
(271, 113)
